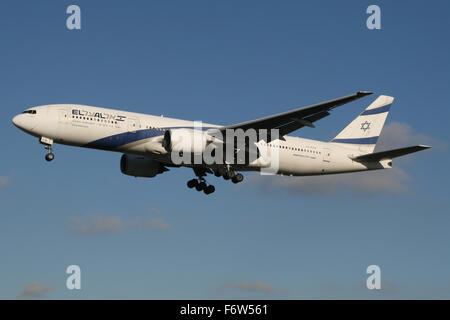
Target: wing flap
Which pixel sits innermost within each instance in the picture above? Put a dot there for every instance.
(300, 123)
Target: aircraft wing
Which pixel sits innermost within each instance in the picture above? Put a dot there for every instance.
(292, 120)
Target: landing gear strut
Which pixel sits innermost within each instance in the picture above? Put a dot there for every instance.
(49, 156)
(48, 143)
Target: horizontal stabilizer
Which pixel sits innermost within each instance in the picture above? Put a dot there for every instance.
(389, 154)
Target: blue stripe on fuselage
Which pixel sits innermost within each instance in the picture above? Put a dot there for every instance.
(118, 140)
(369, 140)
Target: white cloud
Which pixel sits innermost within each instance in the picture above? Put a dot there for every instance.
(34, 289)
(395, 180)
(400, 134)
(257, 286)
(371, 182)
(158, 224)
(97, 224)
(3, 182)
(103, 224)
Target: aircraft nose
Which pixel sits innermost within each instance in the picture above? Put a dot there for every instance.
(24, 122)
(16, 121)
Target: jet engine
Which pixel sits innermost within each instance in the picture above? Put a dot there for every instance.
(140, 166)
(186, 140)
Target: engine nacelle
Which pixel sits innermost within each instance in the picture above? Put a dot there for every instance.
(140, 166)
(185, 140)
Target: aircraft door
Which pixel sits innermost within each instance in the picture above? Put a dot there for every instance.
(62, 116)
(326, 159)
(326, 155)
(132, 125)
(63, 120)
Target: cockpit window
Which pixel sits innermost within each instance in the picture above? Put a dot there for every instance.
(30, 111)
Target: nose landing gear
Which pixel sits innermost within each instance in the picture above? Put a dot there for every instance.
(49, 156)
(48, 146)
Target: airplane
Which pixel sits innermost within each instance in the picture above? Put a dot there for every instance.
(148, 142)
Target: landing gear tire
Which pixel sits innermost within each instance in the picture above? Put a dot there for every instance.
(200, 183)
(192, 183)
(49, 156)
(228, 175)
(209, 189)
(200, 186)
(237, 178)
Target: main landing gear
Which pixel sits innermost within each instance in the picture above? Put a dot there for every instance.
(235, 177)
(200, 184)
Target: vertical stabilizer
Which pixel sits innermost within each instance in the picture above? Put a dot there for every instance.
(363, 132)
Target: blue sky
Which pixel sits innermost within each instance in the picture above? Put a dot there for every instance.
(225, 62)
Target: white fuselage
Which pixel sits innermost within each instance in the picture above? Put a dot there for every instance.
(142, 134)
